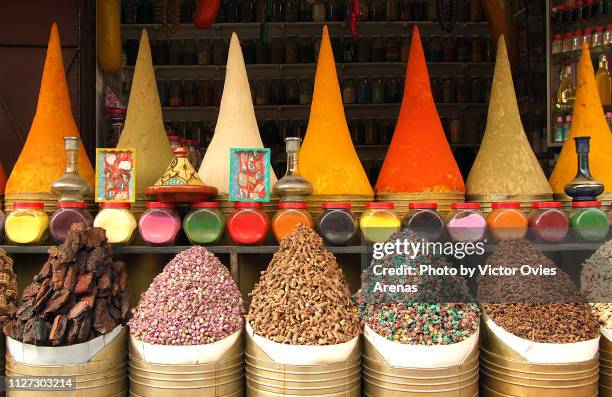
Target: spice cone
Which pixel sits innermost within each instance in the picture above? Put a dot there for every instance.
(505, 164)
(43, 158)
(144, 125)
(236, 125)
(588, 119)
(419, 157)
(327, 158)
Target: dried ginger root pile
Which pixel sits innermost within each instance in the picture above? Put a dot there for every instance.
(302, 298)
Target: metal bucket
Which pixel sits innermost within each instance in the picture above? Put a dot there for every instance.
(357, 201)
(383, 380)
(224, 378)
(526, 201)
(503, 372)
(103, 376)
(605, 367)
(401, 200)
(266, 378)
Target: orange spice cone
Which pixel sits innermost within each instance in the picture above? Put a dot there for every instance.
(419, 158)
(506, 167)
(588, 119)
(43, 158)
(328, 158)
(144, 128)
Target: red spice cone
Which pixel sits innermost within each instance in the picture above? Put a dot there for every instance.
(419, 157)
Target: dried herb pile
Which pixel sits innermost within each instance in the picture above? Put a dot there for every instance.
(596, 283)
(80, 293)
(546, 309)
(441, 312)
(302, 297)
(8, 288)
(193, 301)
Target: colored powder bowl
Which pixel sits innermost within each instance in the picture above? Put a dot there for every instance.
(379, 222)
(507, 221)
(588, 223)
(118, 222)
(424, 220)
(548, 222)
(27, 224)
(67, 214)
(336, 224)
(204, 224)
(248, 224)
(288, 217)
(466, 225)
(159, 224)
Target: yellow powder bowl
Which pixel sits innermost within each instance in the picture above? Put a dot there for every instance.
(49, 199)
(27, 226)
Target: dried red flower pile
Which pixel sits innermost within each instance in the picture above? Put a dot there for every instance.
(193, 301)
(302, 298)
(80, 293)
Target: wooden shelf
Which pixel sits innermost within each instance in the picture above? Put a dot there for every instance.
(270, 249)
(251, 30)
(292, 112)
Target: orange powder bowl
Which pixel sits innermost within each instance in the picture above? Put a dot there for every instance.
(288, 217)
(507, 221)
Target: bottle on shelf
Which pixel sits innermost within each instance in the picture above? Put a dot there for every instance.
(557, 44)
(567, 125)
(577, 40)
(597, 39)
(565, 93)
(603, 81)
(567, 42)
(558, 137)
(586, 35)
(607, 36)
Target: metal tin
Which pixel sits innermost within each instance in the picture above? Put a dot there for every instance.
(265, 378)
(224, 378)
(504, 372)
(401, 200)
(383, 380)
(605, 367)
(106, 374)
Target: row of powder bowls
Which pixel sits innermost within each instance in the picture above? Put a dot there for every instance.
(205, 224)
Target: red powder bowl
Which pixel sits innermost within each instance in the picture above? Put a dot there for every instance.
(248, 224)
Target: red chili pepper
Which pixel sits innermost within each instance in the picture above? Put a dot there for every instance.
(355, 11)
(206, 12)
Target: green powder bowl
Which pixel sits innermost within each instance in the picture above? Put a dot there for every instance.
(588, 222)
(204, 224)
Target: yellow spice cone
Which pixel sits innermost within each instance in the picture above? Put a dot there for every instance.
(144, 125)
(587, 120)
(43, 158)
(505, 163)
(236, 125)
(327, 158)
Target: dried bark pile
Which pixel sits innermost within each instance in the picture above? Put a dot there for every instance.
(80, 293)
(8, 288)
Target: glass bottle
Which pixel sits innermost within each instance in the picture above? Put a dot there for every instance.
(292, 186)
(378, 49)
(392, 11)
(349, 94)
(332, 10)
(175, 97)
(187, 10)
(363, 49)
(377, 10)
(464, 93)
(364, 91)
(463, 49)
(247, 10)
(349, 50)
(306, 50)
(583, 187)
(603, 81)
(478, 52)
(291, 11)
(161, 55)
(378, 90)
(277, 93)
(70, 186)
(292, 96)
(449, 90)
(262, 92)
(392, 91)
(204, 52)
(318, 11)
(565, 93)
(175, 52)
(260, 11)
(276, 51)
(305, 91)
(190, 56)
(392, 51)
(219, 54)
(449, 49)
(476, 11)
(291, 49)
(436, 89)
(189, 93)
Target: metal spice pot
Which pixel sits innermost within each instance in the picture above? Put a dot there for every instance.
(504, 372)
(605, 367)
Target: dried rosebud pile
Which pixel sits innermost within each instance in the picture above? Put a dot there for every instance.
(545, 309)
(8, 288)
(193, 301)
(302, 298)
(80, 293)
